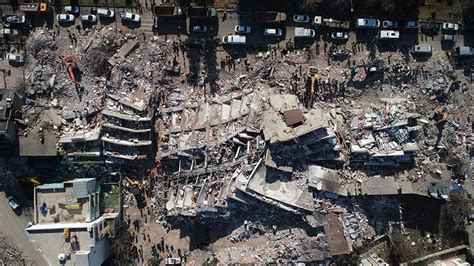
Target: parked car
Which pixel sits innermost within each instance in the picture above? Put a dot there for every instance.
(16, 59)
(340, 35)
(388, 35)
(448, 38)
(9, 31)
(242, 29)
(340, 53)
(368, 23)
(390, 24)
(234, 39)
(65, 17)
(421, 50)
(464, 51)
(272, 32)
(132, 17)
(89, 18)
(412, 24)
(450, 26)
(301, 18)
(10, 20)
(14, 204)
(102, 12)
(301, 32)
(71, 9)
(199, 28)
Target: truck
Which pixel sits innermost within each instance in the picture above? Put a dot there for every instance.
(304, 33)
(234, 39)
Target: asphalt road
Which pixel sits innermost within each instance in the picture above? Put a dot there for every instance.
(14, 225)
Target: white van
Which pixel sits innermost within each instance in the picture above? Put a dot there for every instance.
(234, 39)
(304, 33)
(464, 51)
(389, 35)
(422, 50)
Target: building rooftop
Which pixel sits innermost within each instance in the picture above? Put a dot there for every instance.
(277, 186)
(325, 179)
(30, 145)
(293, 117)
(335, 235)
(276, 126)
(69, 202)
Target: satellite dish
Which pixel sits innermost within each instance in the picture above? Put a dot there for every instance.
(62, 258)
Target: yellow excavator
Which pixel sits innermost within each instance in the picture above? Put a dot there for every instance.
(134, 183)
(312, 80)
(138, 189)
(35, 181)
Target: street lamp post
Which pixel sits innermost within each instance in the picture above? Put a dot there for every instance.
(352, 8)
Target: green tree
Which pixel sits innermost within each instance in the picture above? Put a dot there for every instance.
(400, 249)
(452, 219)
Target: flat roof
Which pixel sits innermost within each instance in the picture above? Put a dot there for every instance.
(293, 117)
(31, 145)
(335, 235)
(275, 129)
(51, 186)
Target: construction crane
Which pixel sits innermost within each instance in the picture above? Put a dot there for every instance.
(312, 80)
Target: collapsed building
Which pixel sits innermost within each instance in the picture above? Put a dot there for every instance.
(127, 129)
(385, 137)
(204, 143)
(309, 137)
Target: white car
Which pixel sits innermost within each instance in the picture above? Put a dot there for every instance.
(411, 24)
(13, 202)
(128, 16)
(65, 17)
(242, 29)
(105, 13)
(89, 18)
(199, 28)
(71, 9)
(16, 58)
(450, 26)
(339, 35)
(272, 32)
(448, 38)
(8, 31)
(301, 18)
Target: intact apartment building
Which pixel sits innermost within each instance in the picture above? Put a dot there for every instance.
(74, 220)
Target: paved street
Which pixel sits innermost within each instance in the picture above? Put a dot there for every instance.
(14, 226)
